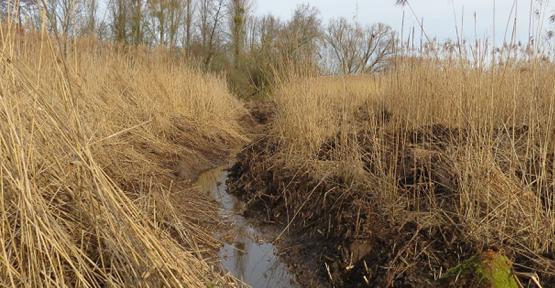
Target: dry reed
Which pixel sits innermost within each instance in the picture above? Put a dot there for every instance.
(439, 143)
(88, 144)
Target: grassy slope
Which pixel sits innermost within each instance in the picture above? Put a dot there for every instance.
(92, 151)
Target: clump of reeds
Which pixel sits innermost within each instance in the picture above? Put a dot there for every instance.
(89, 144)
(436, 143)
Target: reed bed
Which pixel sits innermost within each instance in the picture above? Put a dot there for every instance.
(463, 155)
(97, 144)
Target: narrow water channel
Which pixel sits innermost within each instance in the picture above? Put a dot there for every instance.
(248, 254)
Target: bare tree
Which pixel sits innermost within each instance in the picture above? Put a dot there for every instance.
(176, 14)
(90, 8)
(67, 11)
(358, 49)
(137, 21)
(211, 18)
(269, 30)
(238, 11)
(299, 38)
(158, 10)
(167, 16)
(188, 23)
(119, 21)
(128, 21)
(18, 10)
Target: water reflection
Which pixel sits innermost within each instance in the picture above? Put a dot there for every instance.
(246, 256)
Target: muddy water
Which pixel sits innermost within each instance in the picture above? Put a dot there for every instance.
(248, 254)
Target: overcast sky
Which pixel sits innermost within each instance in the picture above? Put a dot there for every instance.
(439, 15)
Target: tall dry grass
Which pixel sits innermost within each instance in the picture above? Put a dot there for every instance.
(89, 145)
(441, 144)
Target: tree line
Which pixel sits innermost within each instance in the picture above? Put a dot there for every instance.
(223, 35)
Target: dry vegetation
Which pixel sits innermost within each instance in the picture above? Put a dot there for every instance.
(394, 178)
(95, 146)
(403, 175)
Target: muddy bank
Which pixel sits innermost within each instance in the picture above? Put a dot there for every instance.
(338, 229)
(320, 237)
